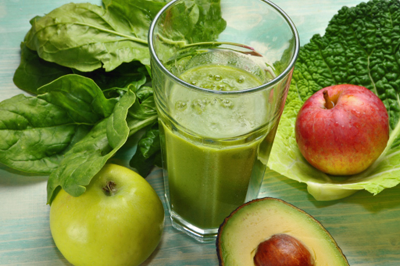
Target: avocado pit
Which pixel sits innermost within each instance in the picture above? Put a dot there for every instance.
(282, 249)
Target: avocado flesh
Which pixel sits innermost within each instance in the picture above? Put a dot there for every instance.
(258, 220)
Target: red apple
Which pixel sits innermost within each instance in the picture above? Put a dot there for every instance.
(342, 129)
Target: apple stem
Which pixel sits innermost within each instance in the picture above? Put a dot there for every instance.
(109, 189)
(328, 103)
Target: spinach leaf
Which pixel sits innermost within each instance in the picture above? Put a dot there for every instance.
(34, 72)
(148, 149)
(137, 14)
(204, 22)
(144, 93)
(80, 97)
(37, 131)
(82, 162)
(133, 84)
(150, 142)
(95, 95)
(360, 47)
(145, 107)
(143, 112)
(34, 134)
(135, 124)
(148, 152)
(120, 77)
(90, 154)
(86, 37)
(202, 26)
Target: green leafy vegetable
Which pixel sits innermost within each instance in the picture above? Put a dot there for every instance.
(87, 37)
(203, 24)
(145, 107)
(148, 148)
(89, 67)
(34, 134)
(360, 46)
(91, 153)
(143, 112)
(121, 77)
(34, 72)
(36, 131)
(139, 14)
(80, 97)
(147, 154)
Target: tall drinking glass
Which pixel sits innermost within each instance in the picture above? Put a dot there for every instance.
(221, 71)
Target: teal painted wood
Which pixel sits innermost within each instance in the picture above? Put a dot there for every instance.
(366, 227)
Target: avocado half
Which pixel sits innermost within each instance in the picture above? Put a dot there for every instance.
(258, 220)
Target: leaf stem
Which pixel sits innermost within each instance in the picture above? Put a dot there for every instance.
(135, 124)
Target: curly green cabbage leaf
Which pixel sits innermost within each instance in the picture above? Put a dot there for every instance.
(361, 47)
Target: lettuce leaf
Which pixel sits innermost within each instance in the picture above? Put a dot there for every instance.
(360, 46)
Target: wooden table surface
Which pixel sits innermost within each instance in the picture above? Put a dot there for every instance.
(366, 227)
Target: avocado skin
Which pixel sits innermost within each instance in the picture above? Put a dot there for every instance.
(220, 240)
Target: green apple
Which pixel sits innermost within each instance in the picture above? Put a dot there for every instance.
(118, 220)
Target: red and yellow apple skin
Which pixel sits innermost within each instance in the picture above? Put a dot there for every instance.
(347, 138)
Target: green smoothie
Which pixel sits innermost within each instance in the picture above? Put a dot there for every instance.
(211, 145)
(220, 78)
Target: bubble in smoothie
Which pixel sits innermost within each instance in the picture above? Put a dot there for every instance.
(221, 78)
(221, 87)
(198, 105)
(181, 105)
(226, 103)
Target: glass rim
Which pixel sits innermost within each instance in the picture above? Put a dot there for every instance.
(270, 83)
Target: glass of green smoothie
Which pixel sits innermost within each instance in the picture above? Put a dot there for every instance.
(221, 71)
